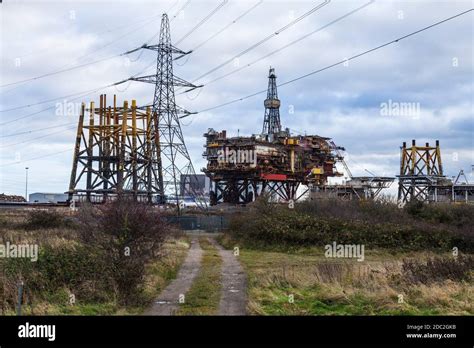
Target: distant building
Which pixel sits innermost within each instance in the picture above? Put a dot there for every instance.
(41, 197)
(198, 184)
(11, 198)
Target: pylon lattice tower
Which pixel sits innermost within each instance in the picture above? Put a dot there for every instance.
(138, 151)
(174, 161)
(271, 120)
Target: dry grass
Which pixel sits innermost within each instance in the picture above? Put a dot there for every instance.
(42, 301)
(327, 287)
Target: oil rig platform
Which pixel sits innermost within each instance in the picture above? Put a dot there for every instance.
(275, 162)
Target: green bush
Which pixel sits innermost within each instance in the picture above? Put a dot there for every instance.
(369, 223)
(38, 219)
(80, 269)
(130, 235)
(458, 215)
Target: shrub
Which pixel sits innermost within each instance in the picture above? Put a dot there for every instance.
(375, 224)
(130, 235)
(438, 269)
(80, 269)
(37, 219)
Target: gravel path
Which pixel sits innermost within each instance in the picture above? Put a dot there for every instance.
(168, 301)
(234, 284)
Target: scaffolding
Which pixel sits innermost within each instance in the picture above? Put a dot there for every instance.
(420, 169)
(421, 177)
(113, 153)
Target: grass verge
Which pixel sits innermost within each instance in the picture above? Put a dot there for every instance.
(305, 283)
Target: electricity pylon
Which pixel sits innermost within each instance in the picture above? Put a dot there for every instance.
(167, 139)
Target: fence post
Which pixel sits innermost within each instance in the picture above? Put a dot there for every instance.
(20, 298)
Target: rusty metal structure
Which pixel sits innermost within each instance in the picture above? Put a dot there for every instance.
(420, 170)
(357, 188)
(421, 177)
(242, 168)
(113, 153)
(137, 151)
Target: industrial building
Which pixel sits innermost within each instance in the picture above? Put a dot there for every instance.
(198, 183)
(43, 197)
(140, 151)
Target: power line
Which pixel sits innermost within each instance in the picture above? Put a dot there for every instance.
(227, 26)
(102, 47)
(209, 38)
(181, 9)
(36, 158)
(36, 138)
(49, 108)
(58, 98)
(48, 49)
(290, 44)
(261, 42)
(158, 32)
(117, 39)
(88, 91)
(342, 61)
(136, 29)
(34, 130)
(63, 70)
(204, 20)
(83, 93)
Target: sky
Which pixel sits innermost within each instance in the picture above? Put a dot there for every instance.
(432, 71)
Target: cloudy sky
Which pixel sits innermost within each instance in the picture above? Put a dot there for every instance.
(433, 70)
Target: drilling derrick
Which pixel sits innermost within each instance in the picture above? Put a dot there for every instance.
(271, 120)
(275, 162)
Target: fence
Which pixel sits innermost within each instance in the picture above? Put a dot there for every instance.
(209, 223)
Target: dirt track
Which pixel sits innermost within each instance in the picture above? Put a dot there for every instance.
(234, 284)
(233, 299)
(168, 302)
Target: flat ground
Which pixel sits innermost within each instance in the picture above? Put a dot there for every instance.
(196, 275)
(307, 283)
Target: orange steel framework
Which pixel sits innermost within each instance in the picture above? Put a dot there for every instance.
(420, 170)
(113, 153)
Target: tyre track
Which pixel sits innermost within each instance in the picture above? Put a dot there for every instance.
(234, 284)
(168, 301)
